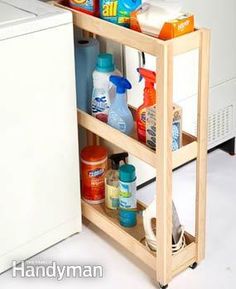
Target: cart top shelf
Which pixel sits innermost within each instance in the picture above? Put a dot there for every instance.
(132, 38)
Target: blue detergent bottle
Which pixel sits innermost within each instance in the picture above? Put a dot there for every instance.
(119, 115)
(127, 198)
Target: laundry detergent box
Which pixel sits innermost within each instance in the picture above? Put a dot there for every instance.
(118, 11)
(176, 127)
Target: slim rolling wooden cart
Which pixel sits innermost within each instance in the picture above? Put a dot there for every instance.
(164, 263)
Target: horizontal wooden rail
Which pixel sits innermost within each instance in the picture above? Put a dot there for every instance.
(130, 238)
(185, 154)
(119, 234)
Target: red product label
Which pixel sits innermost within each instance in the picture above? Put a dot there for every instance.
(141, 125)
(93, 181)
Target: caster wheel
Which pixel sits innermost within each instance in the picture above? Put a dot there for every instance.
(193, 266)
(163, 286)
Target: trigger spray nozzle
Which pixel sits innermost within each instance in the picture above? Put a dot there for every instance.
(121, 83)
(116, 158)
(148, 75)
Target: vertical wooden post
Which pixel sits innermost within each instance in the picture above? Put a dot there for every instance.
(164, 164)
(202, 135)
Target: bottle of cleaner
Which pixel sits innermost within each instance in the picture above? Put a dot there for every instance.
(103, 90)
(120, 116)
(127, 199)
(118, 11)
(112, 189)
(148, 100)
(87, 6)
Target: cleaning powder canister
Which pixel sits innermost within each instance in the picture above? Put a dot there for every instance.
(86, 52)
(127, 199)
(93, 170)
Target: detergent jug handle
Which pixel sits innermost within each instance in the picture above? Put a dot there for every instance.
(148, 215)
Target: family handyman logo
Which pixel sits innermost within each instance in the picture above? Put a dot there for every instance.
(54, 270)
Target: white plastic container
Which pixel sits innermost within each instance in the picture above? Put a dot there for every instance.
(103, 89)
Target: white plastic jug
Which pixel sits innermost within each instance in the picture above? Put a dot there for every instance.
(178, 230)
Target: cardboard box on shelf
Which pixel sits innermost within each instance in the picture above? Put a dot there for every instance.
(176, 127)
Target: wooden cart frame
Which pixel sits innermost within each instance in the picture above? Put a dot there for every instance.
(164, 160)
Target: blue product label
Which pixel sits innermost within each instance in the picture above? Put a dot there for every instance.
(84, 4)
(100, 102)
(96, 173)
(176, 136)
(127, 199)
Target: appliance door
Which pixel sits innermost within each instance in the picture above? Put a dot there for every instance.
(39, 167)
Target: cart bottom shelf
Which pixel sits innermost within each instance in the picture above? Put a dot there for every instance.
(132, 239)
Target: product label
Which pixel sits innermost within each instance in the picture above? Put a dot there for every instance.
(112, 197)
(117, 122)
(127, 199)
(109, 8)
(96, 173)
(151, 128)
(84, 4)
(100, 104)
(114, 11)
(93, 185)
(143, 116)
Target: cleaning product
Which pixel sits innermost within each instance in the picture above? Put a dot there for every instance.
(93, 170)
(162, 19)
(88, 6)
(176, 127)
(148, 100)
(103, 90)
(118, 11)
(112, 189)
(86, 52)
(120, 116)
(127, 199)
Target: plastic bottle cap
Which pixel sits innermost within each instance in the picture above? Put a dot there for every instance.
(93, 153)
(105, 63)
(127, 173)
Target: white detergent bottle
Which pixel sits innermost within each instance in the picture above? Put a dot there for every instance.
(103, 90)
(120, 116)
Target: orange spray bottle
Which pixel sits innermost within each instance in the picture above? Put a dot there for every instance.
(149, 99)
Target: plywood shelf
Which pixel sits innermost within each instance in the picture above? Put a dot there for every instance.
(185, 154)
(133, 238)
(164, 160)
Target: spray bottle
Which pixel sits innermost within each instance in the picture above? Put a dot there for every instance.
(112, 189)
(119, 115)
(148, 100)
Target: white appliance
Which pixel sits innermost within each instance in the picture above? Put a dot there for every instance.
(39, 167)
(220, 18)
